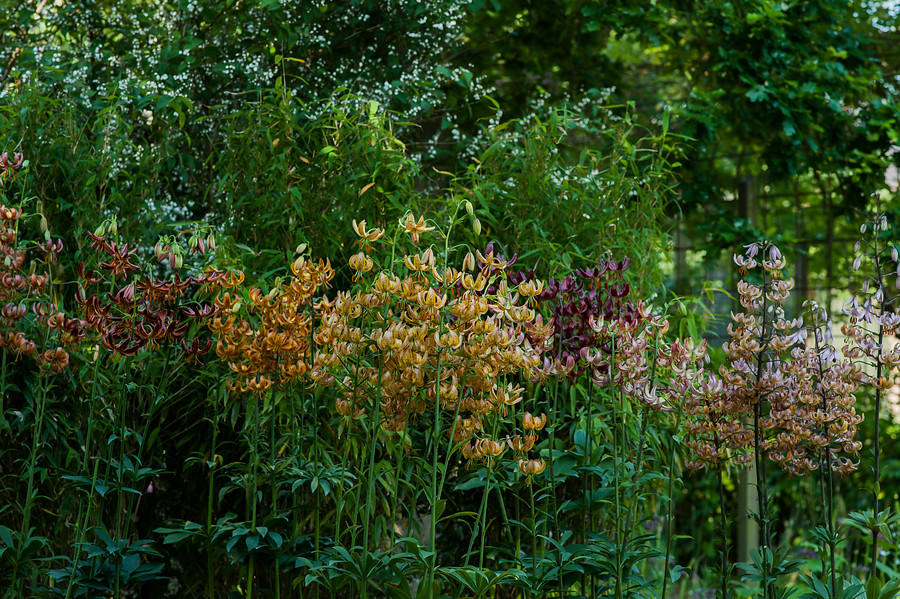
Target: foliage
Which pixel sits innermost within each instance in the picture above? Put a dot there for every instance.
(367, 297)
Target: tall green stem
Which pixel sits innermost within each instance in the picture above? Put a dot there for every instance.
(879, 368)
(254, 458)
(86, 504)
(534, 546)
(480, 522)
(670, 509)
(370, 490)
(759, 462)
(273, 452)
(29, 496)
(3, 393)
(723, 525)
(120, 495)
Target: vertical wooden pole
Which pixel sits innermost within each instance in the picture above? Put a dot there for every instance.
(801, 262)
(682, 279)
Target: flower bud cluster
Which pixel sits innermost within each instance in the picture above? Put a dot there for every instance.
(29, 321)
(146, 312)
(576, 301)
(269, 341)
(781, 373)
(870, 320)
(9, 166)
(813, 415)
(431, 335)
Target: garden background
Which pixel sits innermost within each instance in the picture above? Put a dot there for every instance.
(428, 299)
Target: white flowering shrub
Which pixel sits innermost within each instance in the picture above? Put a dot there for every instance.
(297, 115)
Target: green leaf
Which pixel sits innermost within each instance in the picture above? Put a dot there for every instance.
(789, 128)
(873, 587)
(6, 536)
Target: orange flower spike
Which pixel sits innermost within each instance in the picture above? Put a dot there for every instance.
(511, 395)
(449, 340)
(346, 306)
(371, 236)
(387, 283)
(519, 444)
(489, 447)
(521, 314)
(449, 277)
(533, 423)
(422, 263)
(361, 263)
(256, 296)
(414, 228)
(470, 450)
(299, 267)
(530, 289)
(431, 299)
(409, 289)
(490, 261)
(532, 467)
(346, 409)
(234, 279)
(471, 283)
(324, 272)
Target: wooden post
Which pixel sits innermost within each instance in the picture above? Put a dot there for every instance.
(682, 280)
(801, 262)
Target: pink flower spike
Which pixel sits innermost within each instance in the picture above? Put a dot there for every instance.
(752, 249)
